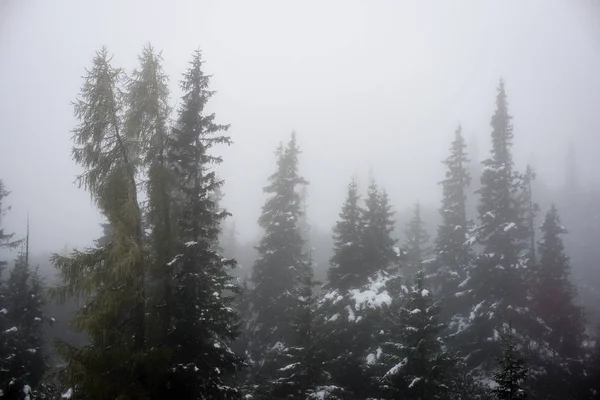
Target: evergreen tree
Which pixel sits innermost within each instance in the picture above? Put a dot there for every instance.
(347, 265)
(454, 254)
(281, 261)
(377, 225)
(352, 307)
(417, 240)
(555, 295)
(109, 278)
(303, 374)
(413, 355)
(512, 374)
(498, 279)
(146, 117)
(202, 323)
(24, 299)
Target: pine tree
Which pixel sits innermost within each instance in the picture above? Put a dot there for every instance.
(353, 308)
(24, 299)
(303, 374)
(202, 323)
(555, 295)
(377, 225)
(280, 263)
(109, 278)
(417, 240)
(454, 254)
(347, 269)
(512, 374)
(498, 279)
(413, 355)
(147, 116)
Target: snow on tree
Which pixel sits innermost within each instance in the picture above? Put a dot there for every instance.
(498, 279)
(453, 252)
(202, 323)
(511, 376)
(411, 357)
(302, 375)
(281, 261)
(367, 261)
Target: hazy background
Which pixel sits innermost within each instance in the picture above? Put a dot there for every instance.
(368, 86)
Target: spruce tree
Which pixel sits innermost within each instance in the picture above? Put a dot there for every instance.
(511, 376)
(109, 278)
(353, 308)
(303, 373)
(24, 299)
(417, 240)
(347, 265)
(413, 356)
(554, 294)
(202, 323)
(498, 279)
(377, 225)
(454, 254)
(281, 261)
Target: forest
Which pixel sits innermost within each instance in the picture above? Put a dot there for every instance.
(475, 300)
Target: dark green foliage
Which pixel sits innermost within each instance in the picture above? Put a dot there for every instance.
(109, 278)
(511, 376)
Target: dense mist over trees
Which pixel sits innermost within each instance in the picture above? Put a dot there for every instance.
(414, 226)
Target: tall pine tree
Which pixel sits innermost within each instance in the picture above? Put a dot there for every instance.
(202, 323)
(454, 254)
(281, 261)
(498, 279)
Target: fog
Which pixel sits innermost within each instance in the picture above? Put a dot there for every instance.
(371, 88)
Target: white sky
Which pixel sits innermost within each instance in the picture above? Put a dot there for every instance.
(367, 85)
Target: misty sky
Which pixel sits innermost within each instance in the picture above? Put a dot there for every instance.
(369, 86)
